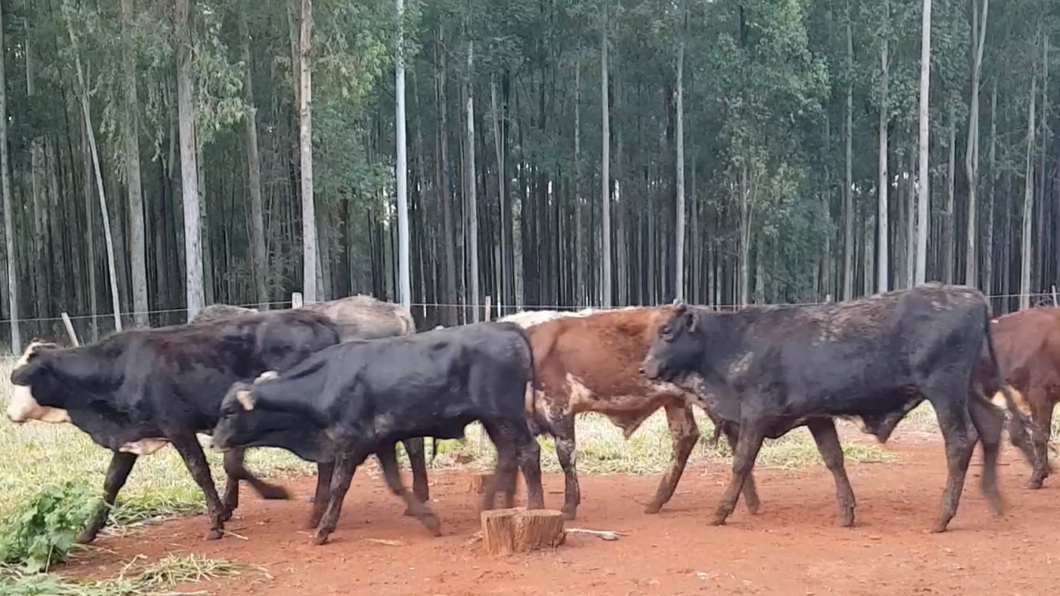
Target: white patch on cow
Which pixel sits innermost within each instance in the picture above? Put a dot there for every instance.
(1021, 402)
(23, 406)
(266, 376)
(143, 446)
(245, 399)
(580, 396)
(741, 365)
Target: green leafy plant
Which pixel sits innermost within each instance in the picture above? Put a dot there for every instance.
(42, 530)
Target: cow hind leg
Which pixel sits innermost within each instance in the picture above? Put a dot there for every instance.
(325, 470)
(191, 452)
(340, 484)
(952, 413)
(117, 473)
(1043, 415)
(683, 435)
(824, 434)
(235, 469)
(988, 423)
(418, 462)
(507, 466)
(388, 460)
(747, 447)
(567, 453)
(528, 453)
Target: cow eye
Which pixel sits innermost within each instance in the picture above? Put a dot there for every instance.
(666, 330)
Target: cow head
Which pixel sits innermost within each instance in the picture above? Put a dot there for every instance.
(237, 421)
(675, 347)
(30, 380)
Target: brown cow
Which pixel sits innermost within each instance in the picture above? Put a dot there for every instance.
(1028, 349)
(589, 363)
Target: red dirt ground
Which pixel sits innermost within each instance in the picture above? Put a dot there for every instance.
(791, 547)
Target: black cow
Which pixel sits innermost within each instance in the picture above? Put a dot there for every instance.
(358, 398)
(772, 369)
(138, 390)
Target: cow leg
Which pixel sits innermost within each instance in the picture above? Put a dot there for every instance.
(388, 460)
(529, 454)
(747, 447)
(236, 471)
(824, 434)
(953, 421)
(988, 423)
(117, 473)
(507, 465)
(683, 436)
(567, 453)
(325, 471)
(191, 452)
(418, 462)
(345, 466)
(1042, 414)
(750, 492)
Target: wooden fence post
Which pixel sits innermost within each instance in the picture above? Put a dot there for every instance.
(296, 300)
(70, 330)
(487, 317)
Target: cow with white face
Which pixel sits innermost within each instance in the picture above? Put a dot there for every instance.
(137, 391)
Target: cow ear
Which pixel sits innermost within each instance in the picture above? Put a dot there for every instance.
(692, 320)
(679, 307)
(266, 376)
(245, 398)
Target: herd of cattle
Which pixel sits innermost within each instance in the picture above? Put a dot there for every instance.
(336, 382)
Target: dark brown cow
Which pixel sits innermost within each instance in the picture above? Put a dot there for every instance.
(1028, 348)
(590, 364)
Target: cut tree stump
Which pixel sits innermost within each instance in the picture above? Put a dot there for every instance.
(506, 531)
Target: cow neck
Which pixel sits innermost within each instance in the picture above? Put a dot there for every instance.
(724, 334)
(78, 374)
(297, 392)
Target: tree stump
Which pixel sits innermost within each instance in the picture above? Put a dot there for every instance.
(507, 531)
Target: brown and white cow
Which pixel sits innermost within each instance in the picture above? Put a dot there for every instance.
(589, 363)
(1028, 349)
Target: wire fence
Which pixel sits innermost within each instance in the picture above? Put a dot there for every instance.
(89, 327)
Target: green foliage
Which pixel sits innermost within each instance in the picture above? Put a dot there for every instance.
(42, 531)
(136, 579)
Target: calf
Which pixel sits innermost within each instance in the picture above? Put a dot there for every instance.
(358, 317)
(588, 363)
(1028, 348)
(772, 369)
(139, 390)
(361, 397)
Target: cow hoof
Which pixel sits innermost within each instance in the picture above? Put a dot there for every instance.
(652, 508)
(432, 523)
(1034, 484)
(226, 515)
(320, 537)
(409, 512)
(845, 519)
(719, 520)
(312, 523)
(214, 534)
(752, 507)
(274, 493)
(85, 537)
(938, 528)
(569, 513)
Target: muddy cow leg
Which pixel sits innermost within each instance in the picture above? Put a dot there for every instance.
(345, 466)
(191, 452)
(567, 453)
(117, 473)
(683, 436)
(528, 454)
(988, 424)
(325, 470)
(743, 461)
(750, 490)
(387, 455)
(507, 466)
(824, 434)
(235, 469)
(1042, 414)
(418, 462)
(951, 408)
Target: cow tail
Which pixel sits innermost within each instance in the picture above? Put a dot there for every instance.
(999, 384)
(537, 423)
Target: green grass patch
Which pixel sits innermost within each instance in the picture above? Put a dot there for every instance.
(135, 579)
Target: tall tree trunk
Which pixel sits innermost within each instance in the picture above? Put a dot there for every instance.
(404, 283)
(448, 240)
(882, 275)
(131, 135)
(86, 113)
(1026, 256)
(188, 164)
(305, 143)
(1043, 213)
(910, 225)
(948, 228)
(581, 295)
(679, 232)
(205, 242)
(848, 192)
(503, 297)
(971, 153)
(9, 228)
(38, 266)
(472, 195)
(259, 257)
(988, 249)
(605, 177)
(924, 177)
